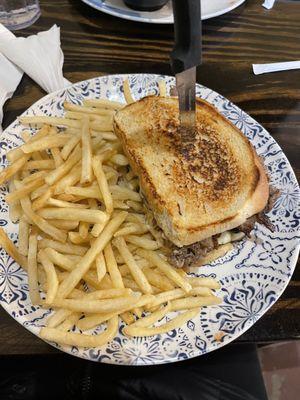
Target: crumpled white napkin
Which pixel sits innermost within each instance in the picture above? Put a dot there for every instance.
(268, 4)
(10, 77)
(40, 56)
(275, 67)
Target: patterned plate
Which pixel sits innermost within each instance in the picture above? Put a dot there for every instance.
(253, 275)
(117, 8)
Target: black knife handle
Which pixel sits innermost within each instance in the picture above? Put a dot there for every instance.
(187, 31)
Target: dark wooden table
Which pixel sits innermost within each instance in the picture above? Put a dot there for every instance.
(97, 44)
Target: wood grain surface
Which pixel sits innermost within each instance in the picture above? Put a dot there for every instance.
(98, 44)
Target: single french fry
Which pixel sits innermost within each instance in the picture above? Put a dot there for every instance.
(39, 192)
(66, 248)
(65, 262)
(127, 92)
(58, 160)
(74, 214)
(103, 185)
(63, 169)
(142, 242)
(52, 280)
(83, 266)
(165, 267)
(47, 142)
(112, 267)
(91, 192)
(135, 270)
(41, 223)
(39, 164)
(76, 339)
(162, 88)
(103, 124)
(34, 293)
(41, 201)
(23, 237)
(65, 204)
(193, 302)
(131, 229)
(11, 249)
(101, 266)
(153, 317)
(69, 322)
(15, 210)
(87, 110)
(119, 159)
(24, 190)
(58, 317)
(69, 146)
(123, 193)
(64, 224)
(71, 178)
(8, 172)
(127, 317)
(75, 238)
(176, 322)
(158, 280)
(98, 228)
(86, 172)
(53, 121)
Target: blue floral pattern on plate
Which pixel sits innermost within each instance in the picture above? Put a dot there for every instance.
(253, 274)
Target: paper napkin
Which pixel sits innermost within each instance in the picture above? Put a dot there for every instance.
(268, 4)
(274, 67)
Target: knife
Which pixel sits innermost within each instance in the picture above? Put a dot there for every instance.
(185, 56)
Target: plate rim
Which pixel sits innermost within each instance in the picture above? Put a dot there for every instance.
(164, 21)
(195, 353)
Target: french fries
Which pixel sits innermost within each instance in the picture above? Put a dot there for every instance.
(84, 238)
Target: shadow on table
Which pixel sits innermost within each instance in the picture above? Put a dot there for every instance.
(232, 373)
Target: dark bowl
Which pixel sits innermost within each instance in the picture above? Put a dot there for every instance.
(145, 5)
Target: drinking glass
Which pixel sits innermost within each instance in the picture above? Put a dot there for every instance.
(18, 14)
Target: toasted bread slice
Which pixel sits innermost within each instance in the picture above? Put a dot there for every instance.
(195, 192)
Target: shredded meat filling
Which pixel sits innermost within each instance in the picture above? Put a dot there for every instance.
(187, 256)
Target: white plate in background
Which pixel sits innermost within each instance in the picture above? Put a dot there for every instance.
(210, 9)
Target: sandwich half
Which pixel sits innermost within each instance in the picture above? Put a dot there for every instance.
(195, 191)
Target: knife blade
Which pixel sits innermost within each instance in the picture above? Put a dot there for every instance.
(185, 56)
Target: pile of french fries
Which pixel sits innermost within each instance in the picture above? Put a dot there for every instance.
(90, 252)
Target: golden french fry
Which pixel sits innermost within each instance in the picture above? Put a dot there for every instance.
(112, 267)
(103, 103)
(58, 160)
(135, 270)
(41, 223)
(127, 317)
(66, 262)
(8, 172)
(87, 110)
(47, 142)
(58, 317)
(96, 306)
(15, 210)
(123, 193)
(75, 238)
(103, 185)
(24, 190)
(76, 339)
(66, 248)
(11, 249)
(193, 302)
(127, 92)
(39, 164)
(63, 224)
(119, 159)
(165, 296)
(34, 293)
(166, 268)
(71, 178)
(23, 237)
(53, 121)
(52, 280)
(131, 228)
(162, 88)
(74, 214)
(153, 317)
(63, 204)
(97, 229)
(69, 146)
(63, 169)
(142, 242)
(86, 172)
(91, 192)
(84, 229)
(101, 266)
(176, 322)
(39, 202)
(39, 192)
(158, 280)
(103, 124)
(83, 266)
(69, 322)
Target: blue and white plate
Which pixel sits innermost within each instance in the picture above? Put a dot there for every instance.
(117, 8)
(253, 275)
